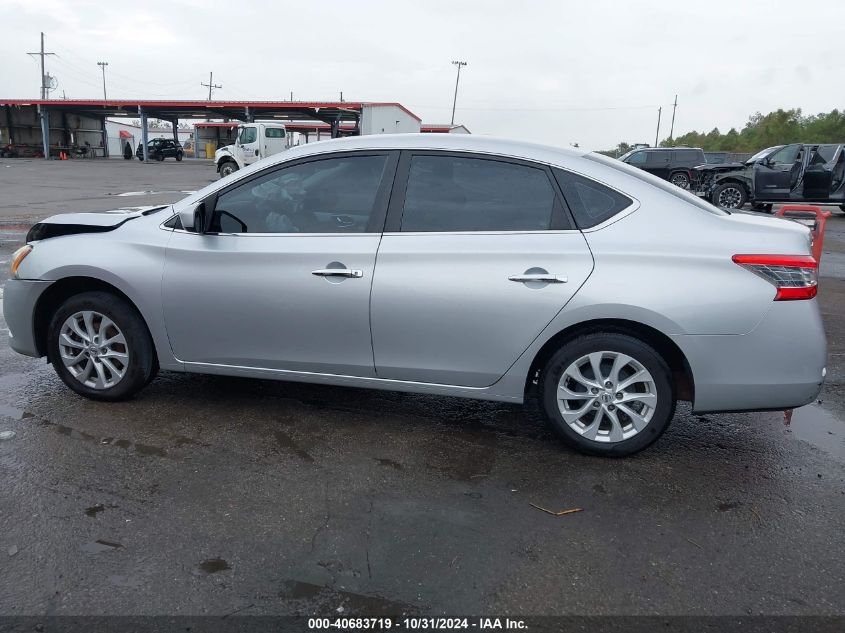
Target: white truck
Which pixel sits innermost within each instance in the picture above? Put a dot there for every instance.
(254, 141)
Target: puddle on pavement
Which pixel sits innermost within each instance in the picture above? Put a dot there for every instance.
(99, 546)
(286, 441)
(214, 565)
(14, 413)
(389, 463)
(345, 602)
(814, 425)
(61, 429)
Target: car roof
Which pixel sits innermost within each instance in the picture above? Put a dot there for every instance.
(456, 142)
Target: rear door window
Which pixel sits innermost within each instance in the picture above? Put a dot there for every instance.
(455, 193)
(590, 202)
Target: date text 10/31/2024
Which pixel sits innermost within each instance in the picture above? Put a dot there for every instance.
(412, 624)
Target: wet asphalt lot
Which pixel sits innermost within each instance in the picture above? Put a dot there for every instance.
(211, 495)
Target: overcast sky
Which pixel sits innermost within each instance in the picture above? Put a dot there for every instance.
(559, 72)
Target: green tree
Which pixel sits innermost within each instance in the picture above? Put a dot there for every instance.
(763, 130)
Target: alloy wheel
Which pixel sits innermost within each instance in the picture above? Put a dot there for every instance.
(93, 349)
(607, 396)
(730, 197)
(680, 180)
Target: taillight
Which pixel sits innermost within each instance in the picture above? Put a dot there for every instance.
(794, 276)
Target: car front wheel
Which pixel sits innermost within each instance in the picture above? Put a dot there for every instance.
(229, 167)
(730, 195)
(100, 347)
(608, 394)
(178, 155)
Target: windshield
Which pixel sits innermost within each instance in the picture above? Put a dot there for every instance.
(762, 153)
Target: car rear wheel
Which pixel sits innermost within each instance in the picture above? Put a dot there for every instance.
(100, 347)
(608, 394)
(730, 195)
(159, 157)
(680, 179)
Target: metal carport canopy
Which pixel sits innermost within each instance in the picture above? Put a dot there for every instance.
(325, 111)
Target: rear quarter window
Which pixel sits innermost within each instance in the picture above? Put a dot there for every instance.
(590, 202)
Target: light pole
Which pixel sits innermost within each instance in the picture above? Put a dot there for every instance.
(102, 66)
(457, 81)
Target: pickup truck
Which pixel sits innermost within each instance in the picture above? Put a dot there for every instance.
(798, 173)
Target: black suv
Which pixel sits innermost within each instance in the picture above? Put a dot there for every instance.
(674, 164)
(797, 172)
(161, 148)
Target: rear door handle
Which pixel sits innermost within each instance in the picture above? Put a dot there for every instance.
(338, 272)
(543, 277)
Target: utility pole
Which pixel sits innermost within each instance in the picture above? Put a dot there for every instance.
(103, 65)
(657, 134)
(210, 85)
(672, 128)
(457, 81)
(341, 96)
(45, 87)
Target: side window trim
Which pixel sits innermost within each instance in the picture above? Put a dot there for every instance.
(377, 218)
(561, 218)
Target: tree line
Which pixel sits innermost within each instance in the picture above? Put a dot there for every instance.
(761, 131)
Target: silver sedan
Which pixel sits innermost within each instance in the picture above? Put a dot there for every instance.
(452, 265)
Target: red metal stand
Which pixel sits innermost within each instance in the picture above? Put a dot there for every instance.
(813, 217)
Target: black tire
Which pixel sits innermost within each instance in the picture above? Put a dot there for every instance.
(178, 156)
(227, 167)
(680, 179)
(730, 195)
(159, 157)
(616, 342)
(141, 157)
(141, 364)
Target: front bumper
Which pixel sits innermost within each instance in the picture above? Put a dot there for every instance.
(778, 365)
(20, 297)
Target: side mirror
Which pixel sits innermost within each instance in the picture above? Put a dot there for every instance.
(194, 218)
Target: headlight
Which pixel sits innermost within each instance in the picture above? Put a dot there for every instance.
(17, 257)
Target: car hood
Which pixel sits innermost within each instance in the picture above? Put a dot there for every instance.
(91, 222)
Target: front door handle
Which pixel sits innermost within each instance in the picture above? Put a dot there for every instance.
(338, 272)
(542, 277)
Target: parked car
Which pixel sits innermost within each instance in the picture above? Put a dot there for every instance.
(802, 173)
(461, 266)
(674, 164)
(161, 148)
